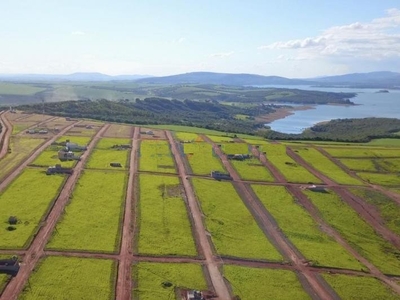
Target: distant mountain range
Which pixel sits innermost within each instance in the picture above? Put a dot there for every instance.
(361, 80)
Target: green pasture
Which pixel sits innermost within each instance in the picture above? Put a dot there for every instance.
(362, 152)
(256, 283)
(92, 220)
(202, 158)
(233, 229)
(381, 179)
(320, 162)
(360, 235)
(101, 159)
(301, 229)
(28, 198)
(388, 208)
(153, 279)
(156, 156)
(59, 278)
(252, 169)
(7, 88)
(355, 287)
(164, 225)
(107, 143)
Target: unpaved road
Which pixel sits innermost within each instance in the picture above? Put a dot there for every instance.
(264, 160)
(216, 278)
(5, 134)
(36, 249)
(124, 278)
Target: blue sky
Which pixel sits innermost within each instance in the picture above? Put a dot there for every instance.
(160, 37)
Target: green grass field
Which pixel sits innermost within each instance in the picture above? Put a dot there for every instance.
(373, 165)
(107, 143)
(80, 140)
(119, 131)
(7, 88)
(389, 210)
(297, 224)
(187, 136)
(233, 229)
(384, 142)
(360, 235)
(252, 169)
(325, 166)
(235, 148)
(381, 179)
(20, 148)
(220, 139)
(276, 154)
(255, 283)
(91, 221)
(156, 156)
(362, 152)
(151, 276)
(28, 198)
(164, 225)
(71, 278)
(202, 158)
(49, 157)
(21, 126)
(353, 287)
(101, 159)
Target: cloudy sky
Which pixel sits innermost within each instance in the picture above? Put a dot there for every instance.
(289, 38)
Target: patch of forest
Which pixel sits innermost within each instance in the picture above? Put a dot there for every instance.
(345, 130)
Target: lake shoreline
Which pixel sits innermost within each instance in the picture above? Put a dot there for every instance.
(281, 113)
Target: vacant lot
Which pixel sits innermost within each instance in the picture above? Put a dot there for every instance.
(71, 278)
(235, 148)
(27, 198)
(158, 280)
(325, 166)
(119, 131)
(164, 225)
(233, 229)
(353, 287)
(187, 136)
(362, 152)
(381, 179)
(20, 149)
(92, 219)
(296, 223)
(202, 158)
(156, 156)
(220, 139)
(101, 159)
(356, 231)
(108, 143)
(80, 140)
(254, 283)
(252, 169)
(373, 165)
(21, 126)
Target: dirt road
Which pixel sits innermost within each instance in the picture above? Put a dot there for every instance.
(5, 134)
(36, 249)
(217, 280)
(264, 160)
(124, 278)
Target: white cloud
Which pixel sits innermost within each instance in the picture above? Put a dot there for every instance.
(77, 32)
(222, 54)
(376, 40)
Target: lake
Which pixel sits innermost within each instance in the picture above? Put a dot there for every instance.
(369, 104)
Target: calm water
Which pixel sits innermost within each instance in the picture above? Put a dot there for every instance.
(371, 104)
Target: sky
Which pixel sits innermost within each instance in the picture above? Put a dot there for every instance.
(291, 38)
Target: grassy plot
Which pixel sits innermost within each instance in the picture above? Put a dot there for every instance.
(362, 152)
(302, 230)
(389, 210)
(254, 283)
(164, 225)
(21, 126)
(80, 140)
(357, 232)
(27, 198)
(293, 172)
(359, 164)
(71, 278)
(326, 166)
(235, 148)
(7, 88)
(381, 179)
(156, 156)
(385, 142)
(252, 169)
(101, 159)
(152, 277)
(187, 136)
(50, 158)
(107, 143)
(20, 148)
(220, 139)
(92, 219)
(119, 131)
(202, 158)
(233, 229)
(353, 287)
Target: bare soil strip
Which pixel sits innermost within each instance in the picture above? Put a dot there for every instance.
(312, 284)
(31, 158)
(36, 249)
(124, 278)
(217, 280)
(5, 134)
